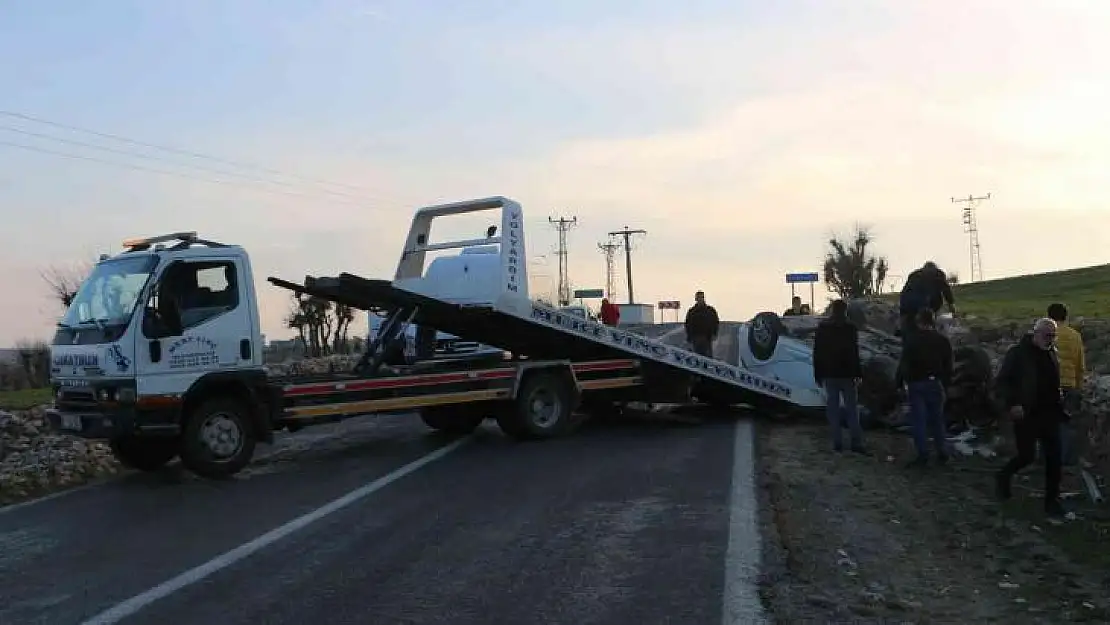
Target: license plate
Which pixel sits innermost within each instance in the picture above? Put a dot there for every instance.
(72, 422)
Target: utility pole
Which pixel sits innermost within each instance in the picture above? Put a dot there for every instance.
(971, 227)
(609, 248)
(563, 224)
(627, 234)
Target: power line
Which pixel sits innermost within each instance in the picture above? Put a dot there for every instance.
(140, 155)
(164, 172)
(174, 150)
(971, 227)
(609, 248)
(563, 224)
(627, 234)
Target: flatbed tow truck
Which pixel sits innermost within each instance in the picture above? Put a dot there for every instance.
(160, 353)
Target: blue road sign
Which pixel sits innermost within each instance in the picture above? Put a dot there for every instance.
(795, 278)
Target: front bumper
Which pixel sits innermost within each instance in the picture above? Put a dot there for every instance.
(112, 424)
(94, 425)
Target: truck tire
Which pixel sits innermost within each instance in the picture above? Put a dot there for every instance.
(219, 438)
(143, 454)
(453, 420)
(544, 408)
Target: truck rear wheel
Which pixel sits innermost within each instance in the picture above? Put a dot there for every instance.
(219, 438)
(544, 408)
(143, 454)
(453, 420)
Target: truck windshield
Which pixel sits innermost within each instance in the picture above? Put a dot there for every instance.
(109, 295)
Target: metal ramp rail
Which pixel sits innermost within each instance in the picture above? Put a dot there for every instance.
(540, 332)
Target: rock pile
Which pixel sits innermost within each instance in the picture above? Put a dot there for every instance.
(981, 342)
(313, 366)
(34, 460)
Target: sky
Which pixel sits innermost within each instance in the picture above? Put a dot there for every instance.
(740, 135)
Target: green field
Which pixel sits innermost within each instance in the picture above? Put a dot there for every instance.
(1086, 291)
(22, 400)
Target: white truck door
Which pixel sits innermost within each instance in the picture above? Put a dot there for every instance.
(216, 322)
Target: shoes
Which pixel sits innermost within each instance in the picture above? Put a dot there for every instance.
(942, 459)
(1002, 487)
(919, 462)
(861, 450)
(1054, 508)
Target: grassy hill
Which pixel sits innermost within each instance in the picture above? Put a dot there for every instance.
(1086, 291)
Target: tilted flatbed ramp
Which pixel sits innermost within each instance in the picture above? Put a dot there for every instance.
(541, 332)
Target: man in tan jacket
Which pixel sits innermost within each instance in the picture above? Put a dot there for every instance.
(1073, 368)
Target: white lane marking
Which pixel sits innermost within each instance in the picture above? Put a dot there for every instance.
(743, 558)
(133, 605)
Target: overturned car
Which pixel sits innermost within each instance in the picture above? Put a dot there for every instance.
(782, 348)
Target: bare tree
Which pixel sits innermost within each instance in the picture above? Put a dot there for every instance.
(318, 323)
(851, 270)
(63, 283)
(344, 316)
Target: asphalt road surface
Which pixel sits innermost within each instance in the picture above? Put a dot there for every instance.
(630, 522)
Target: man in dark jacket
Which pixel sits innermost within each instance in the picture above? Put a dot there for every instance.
(926, 370)
(837, 367)
(926, 287)
(1029, 386)
(702, 324)
(795, 307)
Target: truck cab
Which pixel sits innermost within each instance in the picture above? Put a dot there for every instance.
(152, 335)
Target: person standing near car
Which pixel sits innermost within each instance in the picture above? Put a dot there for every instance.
(1028, 384)
(926, 287)
(1073, 360)
(795, 307)
(1073, 369)
(702, 324)
(926, 370)
(837, 368)
(610, 313)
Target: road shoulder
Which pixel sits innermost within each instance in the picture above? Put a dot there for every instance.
(864, 539)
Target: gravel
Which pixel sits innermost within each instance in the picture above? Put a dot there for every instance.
(864, 540)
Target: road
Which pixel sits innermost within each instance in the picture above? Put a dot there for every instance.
(628, 522)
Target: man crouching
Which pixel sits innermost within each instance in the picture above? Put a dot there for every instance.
(1029, 385)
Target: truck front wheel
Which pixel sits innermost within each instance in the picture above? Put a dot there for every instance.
(143, 454)
(543, 408)
(219, 439)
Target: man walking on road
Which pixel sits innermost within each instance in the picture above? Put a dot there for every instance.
(702, 324)
(1029, 385)
(926, 370)
(926, 287)
(837, 367)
